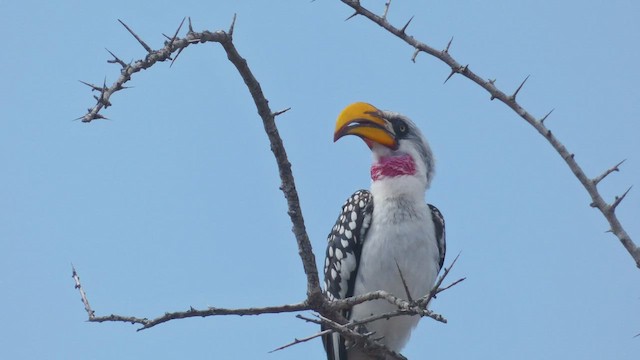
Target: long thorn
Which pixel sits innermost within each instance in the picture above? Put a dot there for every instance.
(406, 25)
(190, 27)
(446, 49)
(618, 200)
(298, 341)
(404, 283)
(144, 45)
(233, 24)
(352, 15)
(93, 87)
(176, 58)
(513, 97)
(175, 36)
(545, 117)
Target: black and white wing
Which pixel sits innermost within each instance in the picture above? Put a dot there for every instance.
(343, 257)
(438, 224)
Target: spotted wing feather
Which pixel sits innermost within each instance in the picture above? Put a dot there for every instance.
(438, 222)
(343, 257)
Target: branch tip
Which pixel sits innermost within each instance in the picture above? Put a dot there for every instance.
(386, 9)
(415, 55)
(116, 60)
(600, 177)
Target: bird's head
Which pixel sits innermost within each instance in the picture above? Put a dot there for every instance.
(398, 146)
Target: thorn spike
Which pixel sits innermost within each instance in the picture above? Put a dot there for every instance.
(144, 45)
(513, 97)
(545, 117)
(190, 27)
(352, 16)
(446, 50)
(618, 200)
(404, 28)
(233, 24)
(93, 87)
(176, 58)
(449, 77)
(175, 36)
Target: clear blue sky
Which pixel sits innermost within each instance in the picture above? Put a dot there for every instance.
(175, 202)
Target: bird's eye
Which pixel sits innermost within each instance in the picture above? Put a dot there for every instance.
(402, 128)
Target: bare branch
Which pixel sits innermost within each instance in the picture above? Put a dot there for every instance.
(305, 339)
(268, 118)
(444, 56)
(386, 9)
(83, 295)
(600, 177)
(441, 289)
(362, 341)
(211, 311)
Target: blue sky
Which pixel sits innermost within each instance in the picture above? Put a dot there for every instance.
(175, 202)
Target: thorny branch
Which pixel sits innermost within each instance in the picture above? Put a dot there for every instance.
(328, 311)
(607, 209)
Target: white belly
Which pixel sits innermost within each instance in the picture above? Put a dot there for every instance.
(401, 235)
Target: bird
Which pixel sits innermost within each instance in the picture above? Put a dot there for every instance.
(386, 238)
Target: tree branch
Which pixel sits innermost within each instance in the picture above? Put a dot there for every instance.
(225, 39)
(607, 210)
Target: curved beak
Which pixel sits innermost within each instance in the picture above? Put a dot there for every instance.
(365, 121)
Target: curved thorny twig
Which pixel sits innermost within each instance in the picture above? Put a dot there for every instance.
(328, 311)
(590, 184)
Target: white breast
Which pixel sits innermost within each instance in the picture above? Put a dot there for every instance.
(402, 235)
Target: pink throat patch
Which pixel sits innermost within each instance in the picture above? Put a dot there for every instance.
(392, 166)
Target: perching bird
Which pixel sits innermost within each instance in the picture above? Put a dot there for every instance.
(387, 232)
